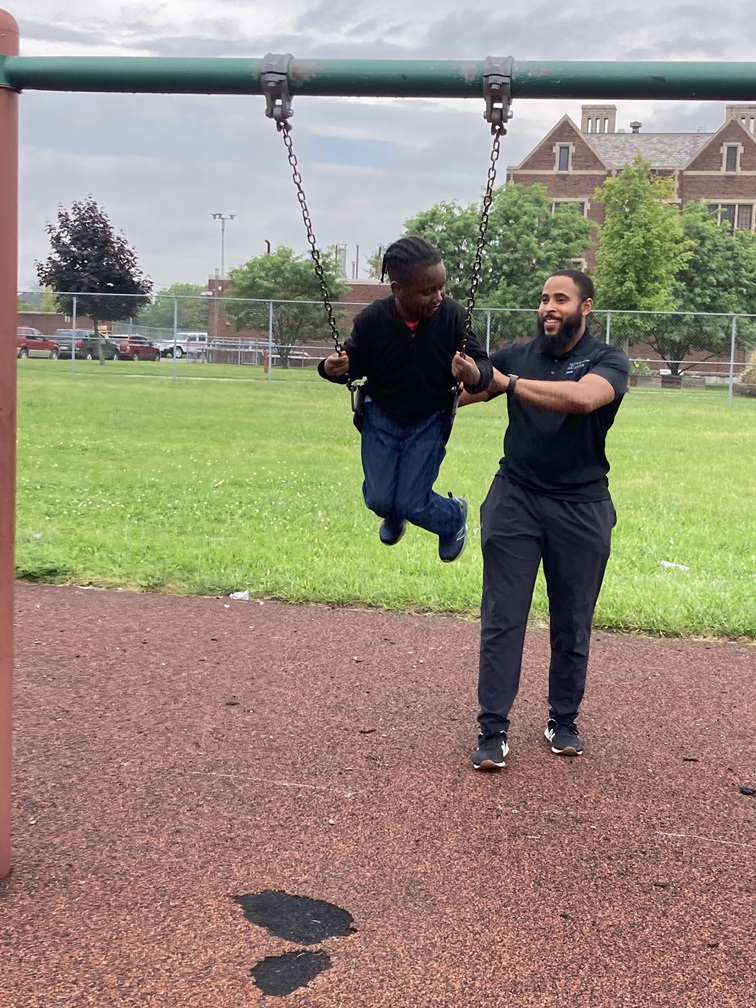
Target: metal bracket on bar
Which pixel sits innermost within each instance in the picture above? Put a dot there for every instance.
(497, 91)
(274, 78)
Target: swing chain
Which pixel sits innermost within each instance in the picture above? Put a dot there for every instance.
(497, 91)
(482, 228)
(275, 84)
(286, 133)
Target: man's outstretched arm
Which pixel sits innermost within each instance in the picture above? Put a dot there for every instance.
(584, 396)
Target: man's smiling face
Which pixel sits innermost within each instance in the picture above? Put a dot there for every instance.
(561, 315)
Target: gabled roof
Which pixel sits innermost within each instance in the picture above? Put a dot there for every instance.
(732, 129)
(562, 130)
(662, 150)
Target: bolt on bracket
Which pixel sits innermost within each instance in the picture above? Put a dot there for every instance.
(497, 91)
(274, 78)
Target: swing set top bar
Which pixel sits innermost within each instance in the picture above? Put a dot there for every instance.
(383, 78)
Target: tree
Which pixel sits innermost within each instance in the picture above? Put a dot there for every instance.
(38, 300)
(190, 305)
(719, 279)
(526, 241)
(47, 302)
(641, 246)
(92, 263)
(291, 280)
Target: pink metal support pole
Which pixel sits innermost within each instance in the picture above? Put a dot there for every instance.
(8, 321)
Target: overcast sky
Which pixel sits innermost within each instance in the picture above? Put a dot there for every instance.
(160, 165)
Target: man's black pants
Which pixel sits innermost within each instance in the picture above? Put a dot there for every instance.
(519, 530)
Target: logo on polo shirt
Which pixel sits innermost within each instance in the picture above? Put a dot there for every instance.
(574, 366)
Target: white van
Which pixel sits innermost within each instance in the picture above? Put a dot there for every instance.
(186, 344)
(194, 344)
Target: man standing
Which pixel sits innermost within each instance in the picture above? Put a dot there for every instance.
(549, 502)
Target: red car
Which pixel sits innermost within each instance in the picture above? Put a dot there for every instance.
(31, 343)
(137, 347)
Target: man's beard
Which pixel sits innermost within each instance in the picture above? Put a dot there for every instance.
(568, 330)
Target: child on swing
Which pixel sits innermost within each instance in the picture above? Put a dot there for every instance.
(407, 347)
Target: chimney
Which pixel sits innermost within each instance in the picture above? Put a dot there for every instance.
(635, 126)
(598, 119)
(746, 114)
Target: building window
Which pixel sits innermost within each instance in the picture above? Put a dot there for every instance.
(563, 159)
(744, 219)
(569, 203)
(727, 213)
(731, 158)
(737, 215)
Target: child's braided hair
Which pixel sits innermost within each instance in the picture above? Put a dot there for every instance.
(408, 256)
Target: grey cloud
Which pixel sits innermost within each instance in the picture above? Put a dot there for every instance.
(161, 164)
(40, 31)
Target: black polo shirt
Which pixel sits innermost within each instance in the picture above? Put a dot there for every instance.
(561, 455)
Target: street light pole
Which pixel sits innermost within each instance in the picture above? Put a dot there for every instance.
(223, 218)
(219, 280)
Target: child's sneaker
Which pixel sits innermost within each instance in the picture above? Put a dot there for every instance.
(451, 547)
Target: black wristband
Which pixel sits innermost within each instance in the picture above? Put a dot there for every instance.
(512, 384)
(481, 386)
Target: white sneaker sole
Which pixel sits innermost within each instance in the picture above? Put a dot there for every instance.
(488, 764)
(567, 751)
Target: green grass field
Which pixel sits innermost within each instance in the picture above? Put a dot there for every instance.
(211, 487)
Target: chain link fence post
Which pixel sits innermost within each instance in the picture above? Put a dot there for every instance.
(270, 341)
(733, 339)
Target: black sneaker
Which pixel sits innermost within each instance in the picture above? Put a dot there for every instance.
(492, 748)
(391, 534)
(451, 547)
(564, 738)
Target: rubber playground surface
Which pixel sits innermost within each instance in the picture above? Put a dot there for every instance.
(225, 803)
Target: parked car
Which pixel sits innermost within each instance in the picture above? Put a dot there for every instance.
(186, 344)
(137, 347)
(86, 344)
(31, 343)
(109, 349)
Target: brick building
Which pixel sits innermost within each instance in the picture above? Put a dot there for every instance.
(718, 167)
(360, 293)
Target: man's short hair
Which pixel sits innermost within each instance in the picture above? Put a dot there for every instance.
(581, 280)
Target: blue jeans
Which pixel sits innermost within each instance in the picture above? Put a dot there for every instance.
(401, 464)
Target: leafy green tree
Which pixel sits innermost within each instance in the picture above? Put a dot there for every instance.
(47, 302)
(39, 300)
(292, 281)
(525, 241)
(189, 303)
(719, 279)
(90, 260)
(642, 247)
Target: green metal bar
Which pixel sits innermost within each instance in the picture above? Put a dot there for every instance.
(384, 78)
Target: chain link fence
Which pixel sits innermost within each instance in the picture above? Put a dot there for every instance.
(666, 349)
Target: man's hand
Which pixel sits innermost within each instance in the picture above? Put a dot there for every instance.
(337, 364)
(465, 369)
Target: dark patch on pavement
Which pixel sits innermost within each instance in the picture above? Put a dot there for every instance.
(296, 918)
(282, 975)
